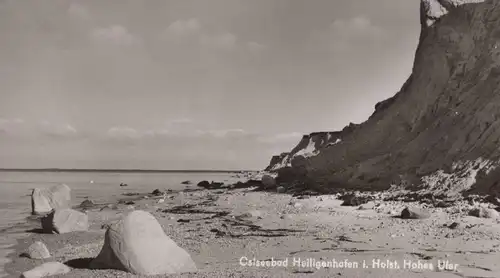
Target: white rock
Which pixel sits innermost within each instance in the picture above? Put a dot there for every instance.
(483, 212)
(434, 9)
(63, 221)
(138, 244)
(46, 269)
(38, 251)
(367, 206)
(44, 200)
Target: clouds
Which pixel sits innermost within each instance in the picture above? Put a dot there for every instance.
(25, 130)
(58, 130)
(123, 133)
(287, 138)
(184, 27)
(226, 41)
(78, 11)
(347, 35)
(120, 72)
(117, 34)
(255, 47)
(192, 30)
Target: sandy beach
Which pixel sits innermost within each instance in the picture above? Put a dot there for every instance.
(243, 232)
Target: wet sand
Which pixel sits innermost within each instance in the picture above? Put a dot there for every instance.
(224, 230)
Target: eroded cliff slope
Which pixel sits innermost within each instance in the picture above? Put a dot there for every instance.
(441, 131)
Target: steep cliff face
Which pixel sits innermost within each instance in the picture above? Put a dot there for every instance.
(441, 131)
(310, 145)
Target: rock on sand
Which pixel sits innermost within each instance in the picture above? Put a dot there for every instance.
(138, 244)
(483, 212)
(46, 269)
(43, 200)
(37, 251)
(414, 213)
(65, 221)
(87, 204)
(268, 181)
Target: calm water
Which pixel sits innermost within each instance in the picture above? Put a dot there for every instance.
(15, 187)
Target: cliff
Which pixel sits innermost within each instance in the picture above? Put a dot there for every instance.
(309, 145)
(441, 132)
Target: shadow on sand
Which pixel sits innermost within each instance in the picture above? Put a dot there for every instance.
(35, 231)
(80, 263)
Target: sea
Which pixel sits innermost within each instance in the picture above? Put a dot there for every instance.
(100, 187)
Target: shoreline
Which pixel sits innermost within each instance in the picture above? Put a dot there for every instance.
(265, 225)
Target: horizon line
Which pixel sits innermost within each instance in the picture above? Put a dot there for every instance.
(121, 170)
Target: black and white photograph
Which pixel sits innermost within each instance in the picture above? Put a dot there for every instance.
(250, 138)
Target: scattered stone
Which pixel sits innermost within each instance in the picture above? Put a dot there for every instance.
(129, 203)
(47, 269)
(268, 181)
(44, 200)
(38, 250)
(367, 206)
(63, 221)
(161, 201)
(204, 184)
(244, 215)
(300, 197)
(353, 200)
(123, 184)
(281, 189)
(157, 192)
(87, 204)
(110, 206)
(186, 182)
(483, 212)
(138, 244)
(443, 204)
(414, 213)
(145, 197)
(210, 185)
(454, 225)
(218, 233)
(131, 194)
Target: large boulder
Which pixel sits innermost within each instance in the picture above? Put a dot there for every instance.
(355, 200)
(137, 244)
(482, 212)
(63, 221)
(268, 181)
(204, 184)
(38, 251)
(46, 269)
(414, 213)
(86, 204)
(44, 200)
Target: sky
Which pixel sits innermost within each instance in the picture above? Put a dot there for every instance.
(191, 84)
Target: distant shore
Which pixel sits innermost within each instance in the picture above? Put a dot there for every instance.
(120, 170)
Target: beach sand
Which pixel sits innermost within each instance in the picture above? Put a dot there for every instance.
(223, 229)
